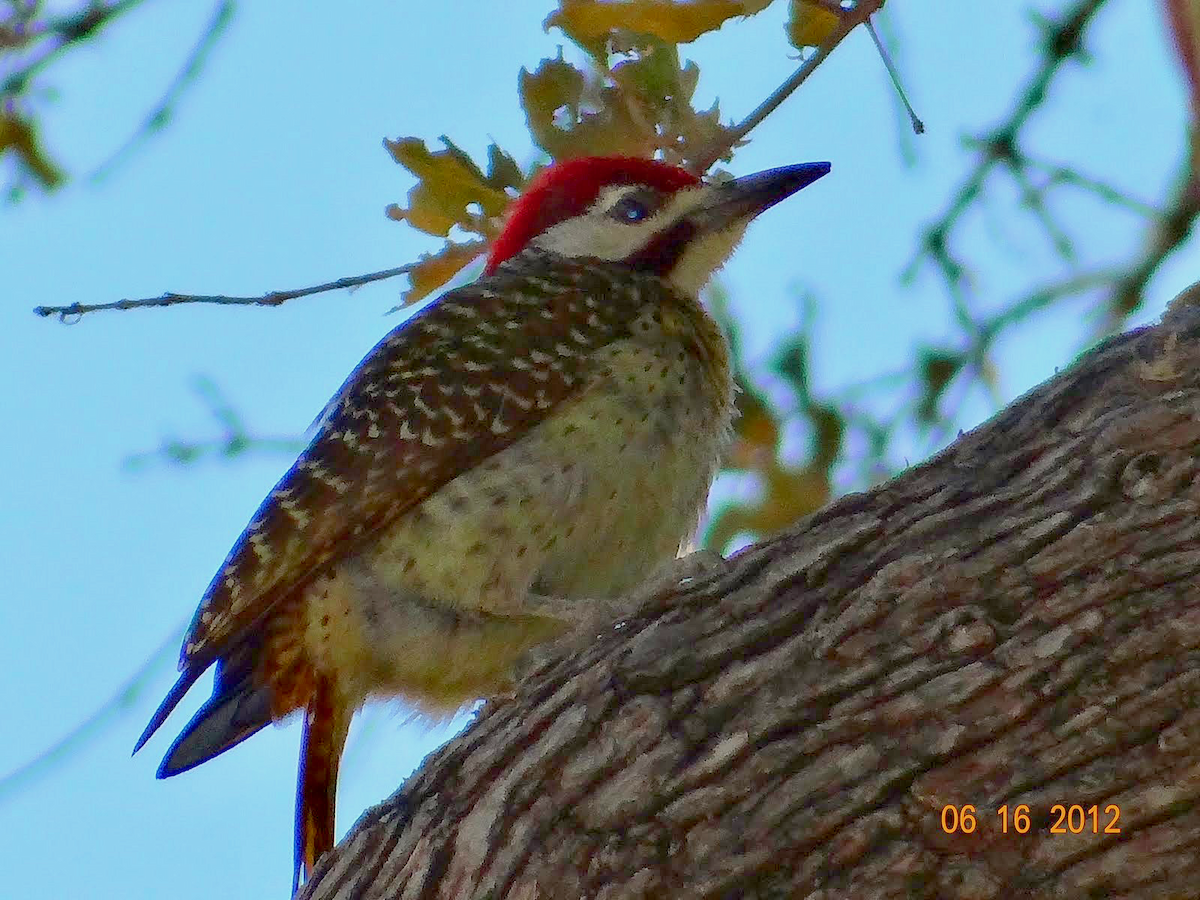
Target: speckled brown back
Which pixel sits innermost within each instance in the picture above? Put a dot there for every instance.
(457, 383)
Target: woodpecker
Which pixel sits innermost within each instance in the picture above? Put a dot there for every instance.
(527, 443)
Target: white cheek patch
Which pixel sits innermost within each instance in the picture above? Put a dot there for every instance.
(596, 233)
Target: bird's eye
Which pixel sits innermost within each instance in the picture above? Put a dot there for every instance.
(630, 209)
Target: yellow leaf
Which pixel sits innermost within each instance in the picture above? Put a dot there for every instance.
(503, 171)
(21, 137)
(570, 115)
(788, 495)
(810, 24)
(432, 270)
(448, 182)
(674, 21)
(756, 429)
(642, 106)
(938, 369)
(550, 96)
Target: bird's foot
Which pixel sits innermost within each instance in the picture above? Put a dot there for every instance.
(591, 613)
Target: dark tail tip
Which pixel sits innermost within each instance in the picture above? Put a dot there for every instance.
(223, 722)
(181, 687)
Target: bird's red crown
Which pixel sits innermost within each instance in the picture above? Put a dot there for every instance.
(566, 189)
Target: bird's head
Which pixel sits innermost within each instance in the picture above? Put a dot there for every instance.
(648, 215)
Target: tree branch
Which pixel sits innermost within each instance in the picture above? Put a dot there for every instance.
(61, 33)
(1063, 41)
(1009, 628)
(849, 20)
(163, 110)
(272, 298)
(125, 698)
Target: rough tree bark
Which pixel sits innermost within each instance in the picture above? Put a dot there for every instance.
(1013, 624)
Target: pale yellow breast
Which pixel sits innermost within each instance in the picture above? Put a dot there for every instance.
(587, 505)
(650, 432)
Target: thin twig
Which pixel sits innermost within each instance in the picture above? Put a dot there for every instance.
(850, 19)
(1073, 285)
(1106, 192)
(1058, 174)
(272, 298)
(69, 30)
(182, 453)
(1163, 237)
(918, 126)
(161, 114)
(237, 439)
(1062, 42)
(1035, 201)
(122, 700)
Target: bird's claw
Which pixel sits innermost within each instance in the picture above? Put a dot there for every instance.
(591, 613)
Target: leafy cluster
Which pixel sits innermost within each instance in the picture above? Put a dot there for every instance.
(632, 95)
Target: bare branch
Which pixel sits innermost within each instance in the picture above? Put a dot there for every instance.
(1062, 42)
(1046, 295)
(236, 438)
(1064, 175)
(125, 698)
(1165, 235)
(850, 19)
(63, 33)
(273, 298)
(161, 114)
(914, 120)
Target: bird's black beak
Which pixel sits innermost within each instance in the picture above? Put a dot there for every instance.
(746, 197)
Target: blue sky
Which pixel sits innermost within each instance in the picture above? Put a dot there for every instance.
(273, 175)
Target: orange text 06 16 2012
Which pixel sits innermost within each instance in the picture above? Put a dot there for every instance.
(1074, 818)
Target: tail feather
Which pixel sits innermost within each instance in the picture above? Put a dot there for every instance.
(181, 687)
(233, 713)
(326, 723)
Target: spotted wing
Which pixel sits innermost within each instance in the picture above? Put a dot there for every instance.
(458, 382)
